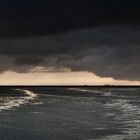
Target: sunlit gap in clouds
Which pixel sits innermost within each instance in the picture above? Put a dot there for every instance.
(59, 78)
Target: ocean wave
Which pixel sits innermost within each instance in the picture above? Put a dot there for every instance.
(99, 92)
(7, 103)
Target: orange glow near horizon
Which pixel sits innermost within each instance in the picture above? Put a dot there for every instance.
(61, 78)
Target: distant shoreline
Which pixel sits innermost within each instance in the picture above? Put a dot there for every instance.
(67, 86)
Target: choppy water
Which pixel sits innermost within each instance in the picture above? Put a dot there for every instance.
(71, 113)
(8, 102)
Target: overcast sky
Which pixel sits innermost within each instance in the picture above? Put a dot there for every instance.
(69, 42)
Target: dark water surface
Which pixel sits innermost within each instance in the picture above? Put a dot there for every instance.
(70, 114)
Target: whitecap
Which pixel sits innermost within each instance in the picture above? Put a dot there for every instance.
(10, 102)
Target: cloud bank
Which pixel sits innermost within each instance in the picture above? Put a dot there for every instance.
(108, 51)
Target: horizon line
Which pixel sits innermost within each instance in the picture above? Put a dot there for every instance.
(70, 85)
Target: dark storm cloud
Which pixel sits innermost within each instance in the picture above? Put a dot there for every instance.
(28, 61)
(97, 36)
(27, 18)
(109, 51)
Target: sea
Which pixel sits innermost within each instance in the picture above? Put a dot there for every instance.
(69, 113)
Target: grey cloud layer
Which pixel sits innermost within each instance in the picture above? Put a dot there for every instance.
(109, 51)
